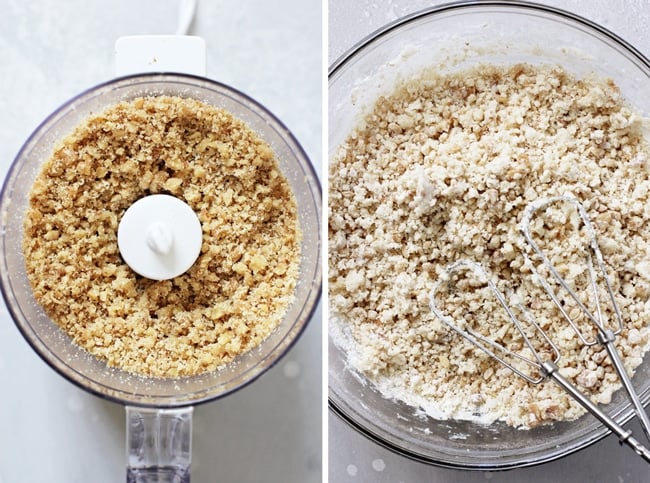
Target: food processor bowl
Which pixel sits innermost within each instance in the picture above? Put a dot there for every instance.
(81, 368)
(451, 38)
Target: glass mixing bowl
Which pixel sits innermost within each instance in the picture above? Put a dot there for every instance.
(454, 37)
(83, 369)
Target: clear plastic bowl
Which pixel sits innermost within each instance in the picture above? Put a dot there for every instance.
(454, 37)
(55, 347)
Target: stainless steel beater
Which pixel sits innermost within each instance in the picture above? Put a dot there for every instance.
(604, 335)
(541, 367)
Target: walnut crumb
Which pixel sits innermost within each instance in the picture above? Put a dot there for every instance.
(239, 288)
(442, 170)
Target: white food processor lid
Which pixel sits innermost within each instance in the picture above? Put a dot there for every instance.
(159, 237)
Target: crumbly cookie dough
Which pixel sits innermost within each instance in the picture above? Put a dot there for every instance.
(442, 170)
(239, 288)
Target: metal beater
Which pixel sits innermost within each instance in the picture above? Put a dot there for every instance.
(604, 336)
(542, 368)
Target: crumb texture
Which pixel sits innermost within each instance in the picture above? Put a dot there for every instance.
(236, 292)
(442, 170)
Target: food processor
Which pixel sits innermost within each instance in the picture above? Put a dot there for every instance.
(159, 411)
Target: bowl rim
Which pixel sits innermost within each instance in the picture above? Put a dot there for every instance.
(275, 354)
(336, 405)
(349, 54)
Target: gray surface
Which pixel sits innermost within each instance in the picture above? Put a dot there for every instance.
(49, 51)
(352, 458)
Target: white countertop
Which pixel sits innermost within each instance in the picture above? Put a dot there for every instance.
(269, 431)
(355, 459)
(51, 431)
